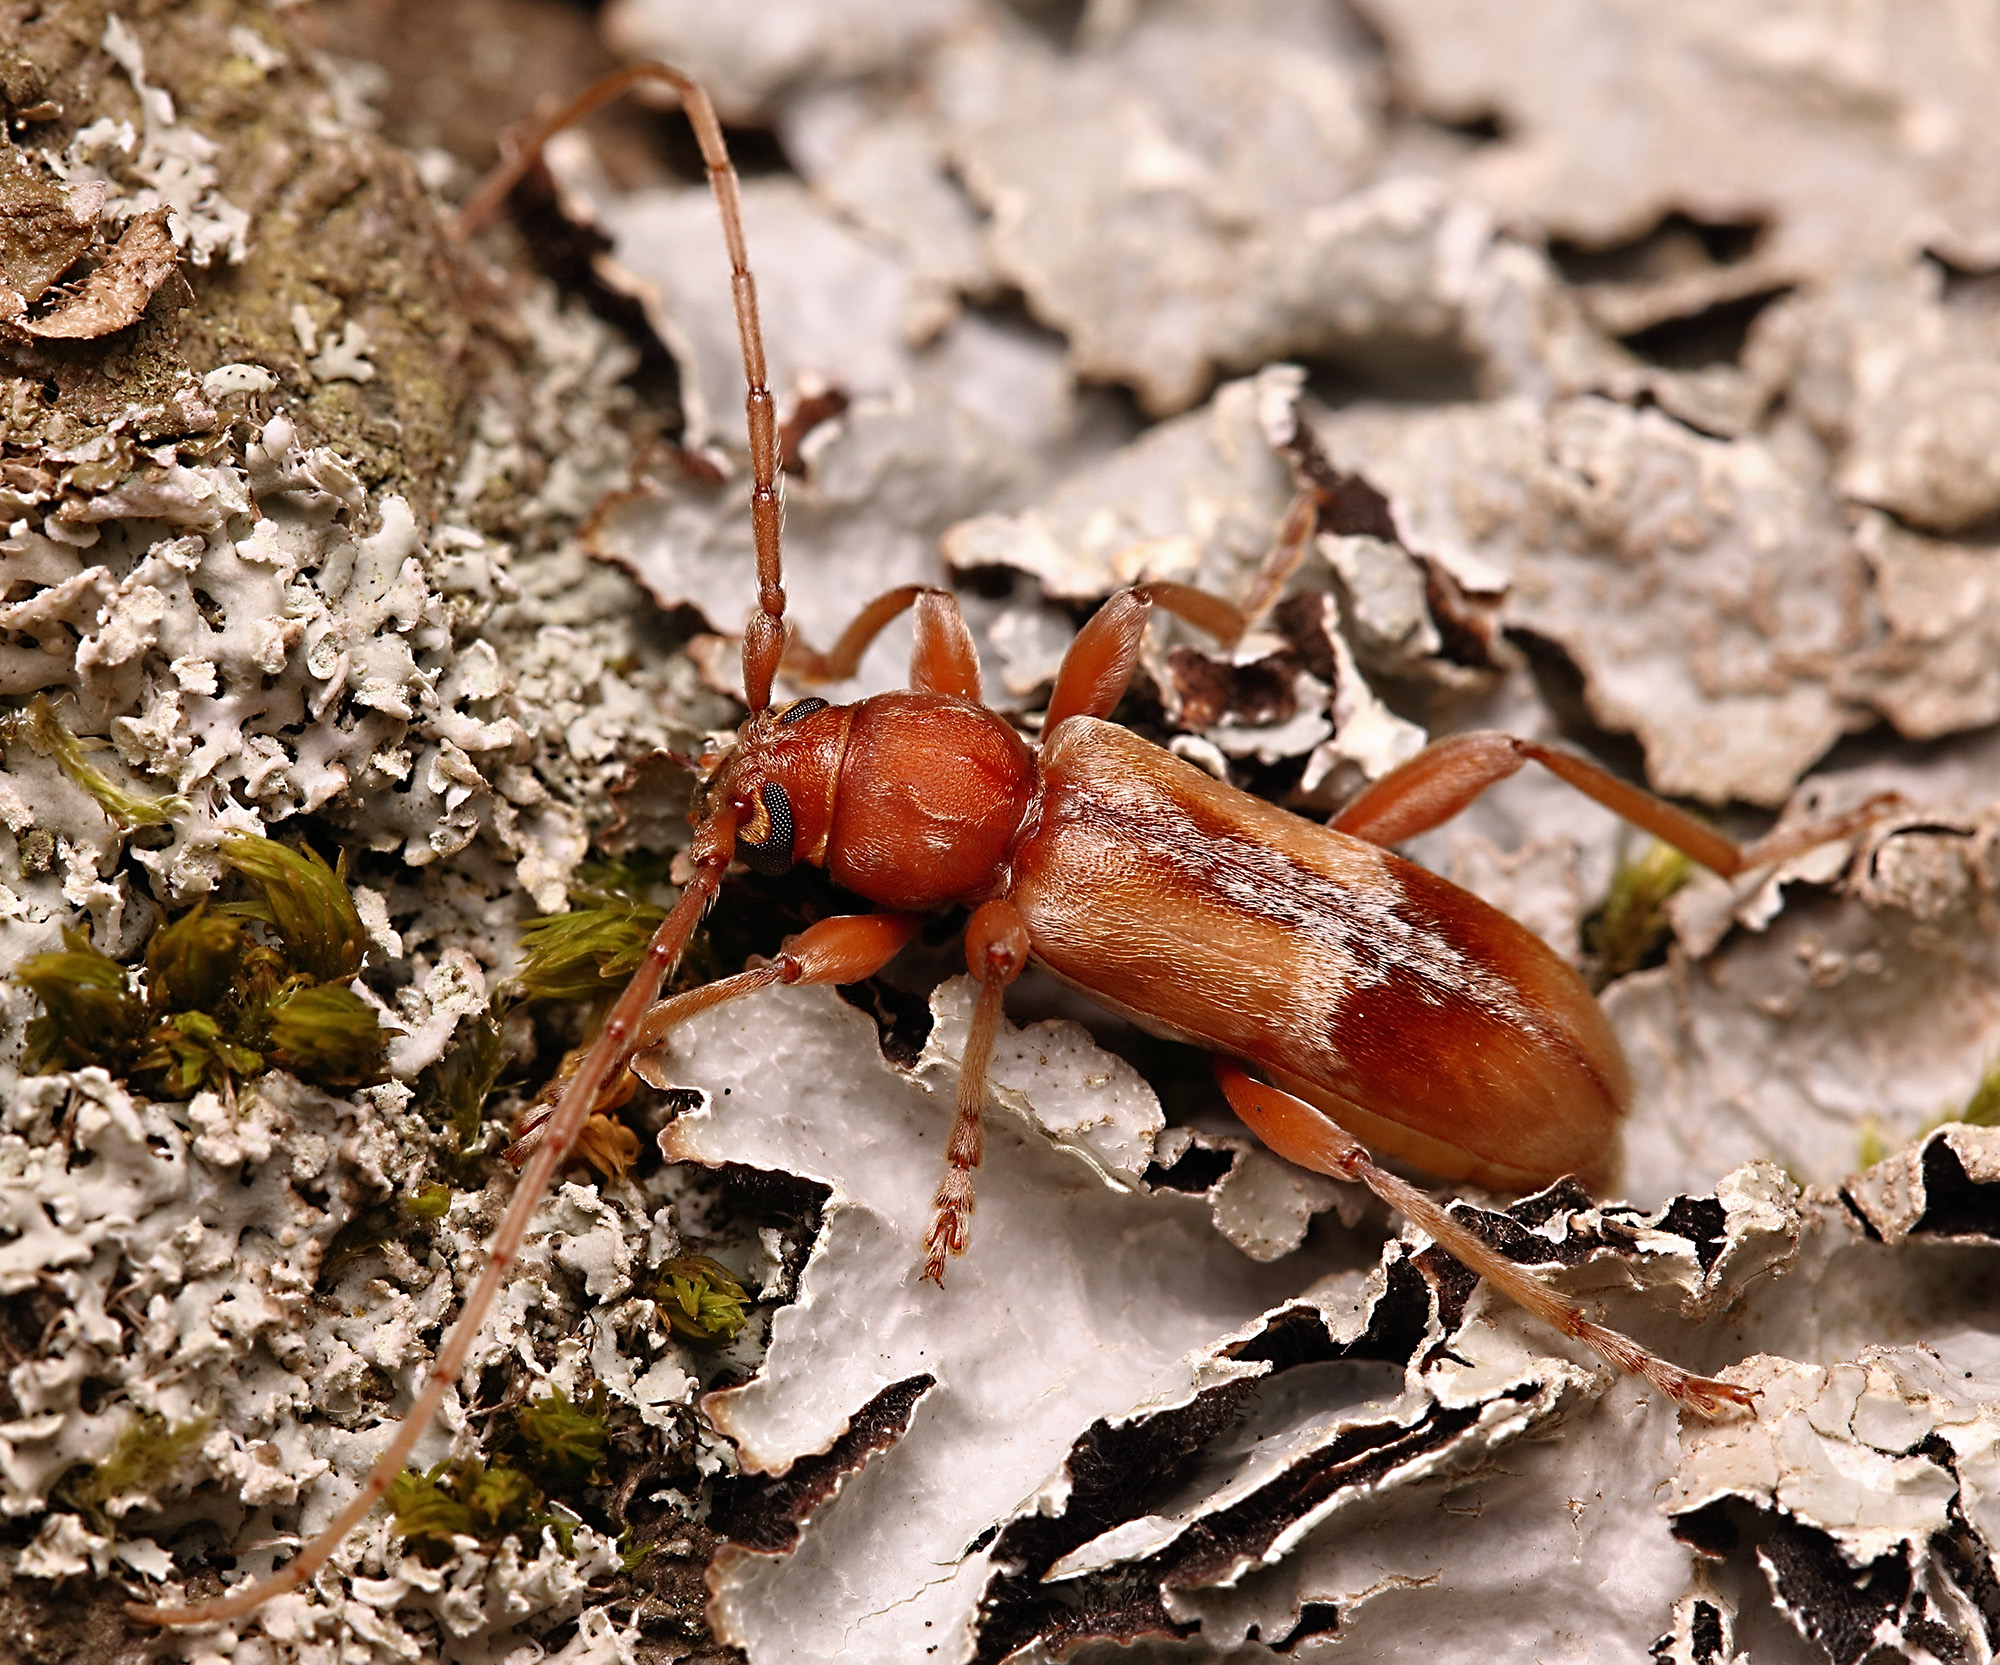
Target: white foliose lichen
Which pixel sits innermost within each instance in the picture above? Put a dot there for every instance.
(166, 164)
(1112, 1430)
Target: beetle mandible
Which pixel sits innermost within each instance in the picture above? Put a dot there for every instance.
(1381, 1005)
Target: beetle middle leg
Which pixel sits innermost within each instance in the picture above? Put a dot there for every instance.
(997, 944)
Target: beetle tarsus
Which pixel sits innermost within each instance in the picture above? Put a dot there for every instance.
(951, 1223)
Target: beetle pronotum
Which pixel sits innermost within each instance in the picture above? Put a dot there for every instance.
(1378, 1001)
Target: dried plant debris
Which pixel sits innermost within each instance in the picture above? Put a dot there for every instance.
(44, 229)
(118, 291)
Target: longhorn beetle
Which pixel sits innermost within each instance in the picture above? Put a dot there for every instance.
(1374, 1000)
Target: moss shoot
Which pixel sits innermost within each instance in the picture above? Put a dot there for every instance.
(555, 1443)
(702, 1300)
(147, 1455)
(221, 994)
(1630, 929)
(42, 730)
(587, 954)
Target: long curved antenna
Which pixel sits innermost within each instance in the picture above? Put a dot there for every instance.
(764, 637)
(714, 841)
(714, 838)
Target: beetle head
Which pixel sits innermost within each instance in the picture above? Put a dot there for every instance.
(777, 771)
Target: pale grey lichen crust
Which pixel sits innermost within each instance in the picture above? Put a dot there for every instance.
(1178, 1396)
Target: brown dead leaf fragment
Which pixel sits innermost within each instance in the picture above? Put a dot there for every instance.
(43, 228)
(116, 295)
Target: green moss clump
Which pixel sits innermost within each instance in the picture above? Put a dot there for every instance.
(89, 1007)
(469, 1499)
(147, 1454)
(586, 954)
(701, 1299)
(433, 1202)
(221, 993)
(326, 1033)
(455, 1089)
(590, 952)
(566, 1441)
(195, 957)
(305, 901)
(189, 1050)
(1632, 925)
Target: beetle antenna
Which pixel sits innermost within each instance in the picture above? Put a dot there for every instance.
(714, 843)
(764, 636)
(714, 840)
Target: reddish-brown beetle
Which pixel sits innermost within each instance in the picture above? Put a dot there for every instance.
(1372, 995)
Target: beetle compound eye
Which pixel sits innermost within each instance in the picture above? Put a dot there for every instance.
(804, 708)
(772, 854)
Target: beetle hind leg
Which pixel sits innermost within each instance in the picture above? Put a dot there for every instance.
(1311, 1138)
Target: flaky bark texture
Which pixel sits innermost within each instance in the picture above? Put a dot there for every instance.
(1642, 362)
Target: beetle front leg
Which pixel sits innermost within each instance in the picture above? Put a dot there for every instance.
(849, 948)
(943, 659)
(996, 952)
(846, 949)
(1303, 1134)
